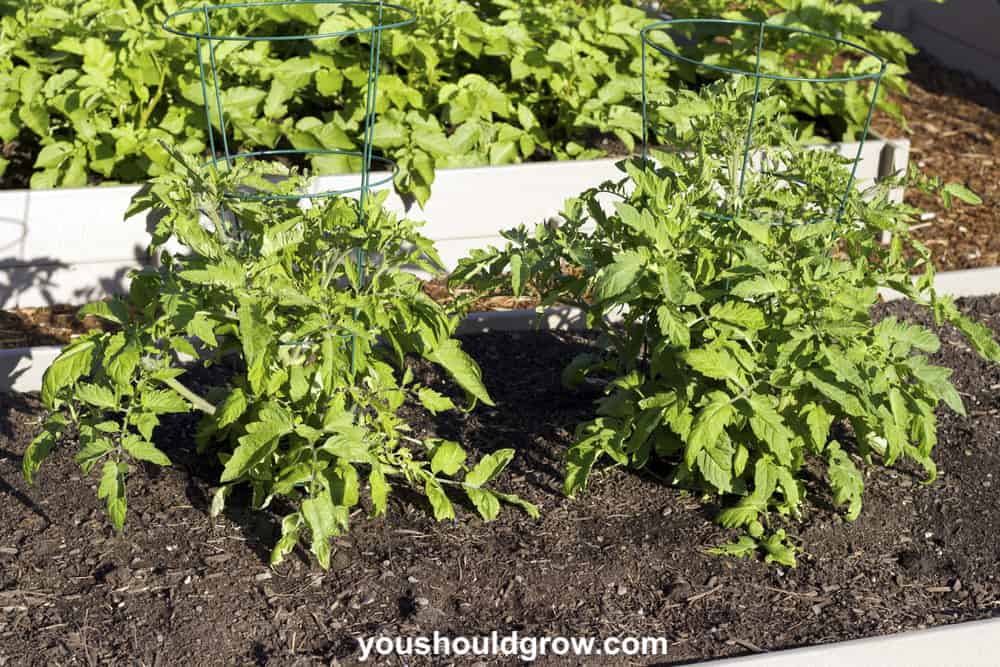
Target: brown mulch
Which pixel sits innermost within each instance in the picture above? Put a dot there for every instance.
(53, 325)
(626, 558)
(954, 123)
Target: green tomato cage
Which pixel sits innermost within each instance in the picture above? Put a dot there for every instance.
(732, 48)
(210, 25)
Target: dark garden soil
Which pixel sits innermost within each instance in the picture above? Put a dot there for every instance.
(624, 559)
(954, 122)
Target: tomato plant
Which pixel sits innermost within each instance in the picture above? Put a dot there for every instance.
(311, 302)
(735, 321)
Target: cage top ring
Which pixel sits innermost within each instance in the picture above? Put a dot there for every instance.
(763, 27)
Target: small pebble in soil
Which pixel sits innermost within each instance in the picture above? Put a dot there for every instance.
(422, 602)
(622, 590)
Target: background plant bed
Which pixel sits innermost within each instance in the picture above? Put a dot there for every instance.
(626, 558)
(71, 245)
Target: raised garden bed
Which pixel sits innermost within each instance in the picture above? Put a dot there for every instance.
(625, 559)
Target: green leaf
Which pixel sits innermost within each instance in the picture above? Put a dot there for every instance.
(778, 550)
(739, 313)
(485, 502)
(448, 458)
(113, 311)
(579, 462)
(439, 500)
(528, 508)
(960, 192)
(324, 521)
(450, 356)
(231, 409)
(433, 401)
(673, 326)
(516, 273)
(72, 363)
(768, 425)
(379, 490)
(163, 401)
(97, 395)
(716, 465)
(145, 451)
(41, 446)
(260, 439)
(489, 467)
(350, 444)
(614, 279)
(112, 489)
(845, 480)
(344, 486)
(759, 286)
(716, 363)
(744, 547)
(708, 426)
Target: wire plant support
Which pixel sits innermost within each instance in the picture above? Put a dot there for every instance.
(764, 68)
(202, 24)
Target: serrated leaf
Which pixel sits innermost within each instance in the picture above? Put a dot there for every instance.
(715, 363)
(744, 547)
(485, 503)
(232, 408)
(72, 363)
(489, 467)
(261, 437)
(616, 278)
(434, 401)
(41, 446)
(163, 401)
(516, 501)
(145, 451)
(324, 521)
(439, 500)
(448, 458)
(959, 191)
(579, 462)
(379, 487)
(708, 426)
(450, 356)
(673, 326)
(112, 489)
(97, 395)
(845, 480)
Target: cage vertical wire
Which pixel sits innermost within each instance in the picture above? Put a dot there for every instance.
(196, 23)
(713, 71)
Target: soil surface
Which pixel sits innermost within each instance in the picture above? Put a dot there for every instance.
(954, 129)
(626, 558)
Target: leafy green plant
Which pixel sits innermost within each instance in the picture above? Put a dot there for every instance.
(313, 304)
(735, 325)
(839, 109)
(98, 84)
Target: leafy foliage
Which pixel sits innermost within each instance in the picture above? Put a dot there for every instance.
(99, 84)
(735, 325)
(307, 417)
